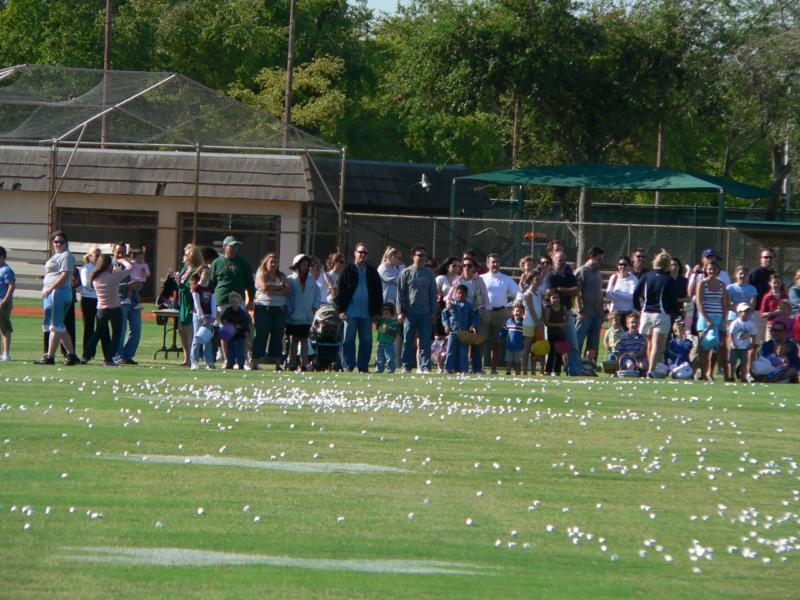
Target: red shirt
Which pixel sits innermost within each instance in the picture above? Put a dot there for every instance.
(769, 303)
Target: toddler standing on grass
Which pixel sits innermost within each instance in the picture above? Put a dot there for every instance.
(512, 333)
(613, 334)
(743, 332)
(554, 317)
(459, 316)
(7, 287)
(388, 328)
(235, 315)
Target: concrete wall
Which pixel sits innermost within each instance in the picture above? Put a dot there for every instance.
(24, 216)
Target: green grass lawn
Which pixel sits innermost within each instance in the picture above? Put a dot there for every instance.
(573, 488)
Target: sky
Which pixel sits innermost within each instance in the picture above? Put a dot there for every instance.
(382, 5)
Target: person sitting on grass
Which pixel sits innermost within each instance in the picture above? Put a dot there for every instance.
(632, 348)
(237, 317)
(787, 358)
(679, 348)
(459, 316)
(7, 287)
(613, 335)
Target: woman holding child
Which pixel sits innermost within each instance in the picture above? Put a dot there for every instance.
(272, 297)
(105, 282)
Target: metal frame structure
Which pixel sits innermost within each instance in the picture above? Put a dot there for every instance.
(59, 140)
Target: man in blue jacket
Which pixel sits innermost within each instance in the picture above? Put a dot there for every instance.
(358, 301)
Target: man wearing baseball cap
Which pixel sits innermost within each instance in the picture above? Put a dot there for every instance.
(232, 273)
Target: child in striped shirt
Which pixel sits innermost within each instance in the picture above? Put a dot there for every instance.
(512, 333)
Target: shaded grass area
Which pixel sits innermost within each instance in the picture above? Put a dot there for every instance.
(628, 462)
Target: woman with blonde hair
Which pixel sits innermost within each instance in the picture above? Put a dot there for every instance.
(655, 296)
(192, 260)
(271, 300)
(389, 270)
(89, 297)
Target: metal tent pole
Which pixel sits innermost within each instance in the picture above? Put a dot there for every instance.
(196, 191)
(340, 228)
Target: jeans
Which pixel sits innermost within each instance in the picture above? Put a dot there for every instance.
(588, 329)
(477, 362)
(132, 319)
(89, 310)
(236, 352)
(105, 316)
(55, 309)
(270, 322)
(574, 366)
(386, 357)
(363, 327)
(417, 325)
(456, 359)
(208, 349)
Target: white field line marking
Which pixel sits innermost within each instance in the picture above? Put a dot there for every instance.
(296, 467)
(183, 557)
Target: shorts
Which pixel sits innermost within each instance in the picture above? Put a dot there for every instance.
(513, 357)
(298, 330)
(5, 320)
(738, 355)
(492, 322)
(56, 306)
(650, 322)
(717, 321)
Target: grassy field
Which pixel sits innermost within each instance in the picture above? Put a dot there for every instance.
(154, 481)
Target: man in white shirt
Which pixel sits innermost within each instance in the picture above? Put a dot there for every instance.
(501, 288)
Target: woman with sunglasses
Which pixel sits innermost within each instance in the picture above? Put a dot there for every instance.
(620, 288)
(57, 297)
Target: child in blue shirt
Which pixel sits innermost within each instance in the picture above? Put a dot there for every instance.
(459, 317)
(512, 333)
(632, 347)
(7, 287)
(679, 347)
(237, 316)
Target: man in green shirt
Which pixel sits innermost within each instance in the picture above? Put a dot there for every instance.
(232, 273)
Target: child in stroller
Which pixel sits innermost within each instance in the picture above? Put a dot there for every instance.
(326, 336)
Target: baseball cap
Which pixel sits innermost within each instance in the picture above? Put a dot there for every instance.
(742, 306)
(230, 241)
(709, 252)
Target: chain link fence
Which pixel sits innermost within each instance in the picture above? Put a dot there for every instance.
(513, 239)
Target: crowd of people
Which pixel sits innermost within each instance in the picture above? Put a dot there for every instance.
(661, 318)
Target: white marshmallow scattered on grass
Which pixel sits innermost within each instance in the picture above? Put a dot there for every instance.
(468, 522)
(201, 511)
(340, 519)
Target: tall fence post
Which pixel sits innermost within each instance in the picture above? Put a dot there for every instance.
(433, 242)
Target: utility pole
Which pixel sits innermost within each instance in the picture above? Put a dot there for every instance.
(106, 67)
(287, 109)
(659, 158)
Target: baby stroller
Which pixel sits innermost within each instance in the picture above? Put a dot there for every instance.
(326, 335)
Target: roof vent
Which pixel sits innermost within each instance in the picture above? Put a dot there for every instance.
(160, 187)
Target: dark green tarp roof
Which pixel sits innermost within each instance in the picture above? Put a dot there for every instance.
(619, 177)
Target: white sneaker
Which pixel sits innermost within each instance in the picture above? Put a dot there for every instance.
(247, 366)
(195, 367)
(5, 357)
(219, 354)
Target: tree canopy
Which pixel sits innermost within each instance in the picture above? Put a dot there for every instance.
(487, 83)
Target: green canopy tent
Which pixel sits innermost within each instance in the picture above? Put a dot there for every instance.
(616, 177)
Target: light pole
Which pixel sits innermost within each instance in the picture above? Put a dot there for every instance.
(424, 183)
(287, 108)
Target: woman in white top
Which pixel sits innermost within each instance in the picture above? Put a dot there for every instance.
(272, 299)
(620, 288)
(330, 278)
(532, 321)
(448, 272)
(89, 297)
(390, 268)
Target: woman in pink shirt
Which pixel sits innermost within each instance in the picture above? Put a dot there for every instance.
(106, 282)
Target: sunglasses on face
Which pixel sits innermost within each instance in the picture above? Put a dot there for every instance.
(468, 266)
(420, 255)
(767, 257)
(622, 264)
(59, 241)
(361, 252)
